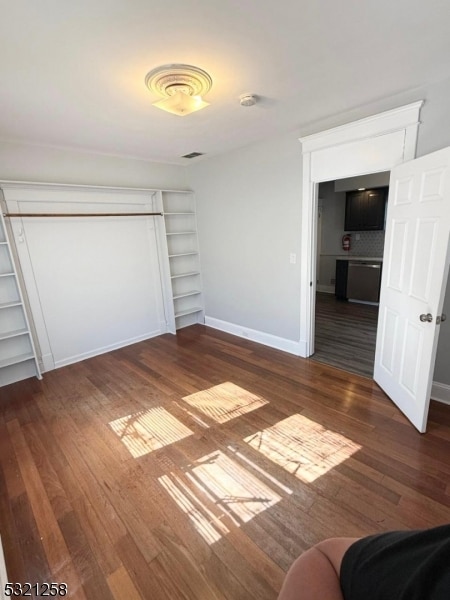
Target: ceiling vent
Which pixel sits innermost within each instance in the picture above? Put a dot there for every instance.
(192, 155)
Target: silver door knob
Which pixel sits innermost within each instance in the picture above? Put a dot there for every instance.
(443, 317)
(426, 318)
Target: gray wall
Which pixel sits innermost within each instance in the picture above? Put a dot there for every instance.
(248, 205)
(442, 366)
(368, 181)
(333, 214)
(249, 220)
(28, 162)
(332, 221)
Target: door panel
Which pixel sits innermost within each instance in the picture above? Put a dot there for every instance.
(394, 263)
(415, 269)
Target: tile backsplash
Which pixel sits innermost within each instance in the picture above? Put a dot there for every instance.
(370, 243)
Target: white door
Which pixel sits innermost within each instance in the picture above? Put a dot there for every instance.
(415, 271)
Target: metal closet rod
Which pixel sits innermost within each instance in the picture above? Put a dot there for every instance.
(131, 214)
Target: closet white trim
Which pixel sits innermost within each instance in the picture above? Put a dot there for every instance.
(130, 283)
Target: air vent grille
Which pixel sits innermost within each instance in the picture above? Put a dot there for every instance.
(192, 155)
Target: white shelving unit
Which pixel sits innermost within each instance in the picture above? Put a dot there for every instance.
(183, 258)
(18, 358)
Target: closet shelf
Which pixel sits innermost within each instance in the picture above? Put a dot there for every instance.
(182, 233)
(182, 241)
(14, 360)
(182, 254)
(11, 334)
(18, 358)
(188, 311)
(185, 274)
(10, 304)
(186, 294)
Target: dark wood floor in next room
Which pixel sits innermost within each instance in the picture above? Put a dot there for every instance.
(198, 466)
(345, 334)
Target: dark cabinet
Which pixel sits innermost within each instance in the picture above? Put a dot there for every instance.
(365, 210)
(340, 289)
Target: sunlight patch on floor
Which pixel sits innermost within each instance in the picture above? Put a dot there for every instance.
(303, 447)
(205, 522)
(224, 402)
(217, 492)
(148, 430)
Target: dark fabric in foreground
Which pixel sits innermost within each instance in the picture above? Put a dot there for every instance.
(398, 565)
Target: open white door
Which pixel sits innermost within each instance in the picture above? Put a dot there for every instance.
(415, 272)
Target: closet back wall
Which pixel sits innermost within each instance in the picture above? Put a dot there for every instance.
(93, 282)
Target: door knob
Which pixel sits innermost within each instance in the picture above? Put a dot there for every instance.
(441, 319)
(426, 318)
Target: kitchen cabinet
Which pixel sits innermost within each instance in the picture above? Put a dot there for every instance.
(358, 279)
(365, 209)
(363, 281)
(341, 279)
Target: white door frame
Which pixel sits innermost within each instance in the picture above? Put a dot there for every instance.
(369, 145)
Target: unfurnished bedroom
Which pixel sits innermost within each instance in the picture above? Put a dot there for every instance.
(224, 300)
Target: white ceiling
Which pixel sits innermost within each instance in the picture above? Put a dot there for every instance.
(72, 73)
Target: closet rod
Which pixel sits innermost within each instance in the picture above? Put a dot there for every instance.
(132, 214)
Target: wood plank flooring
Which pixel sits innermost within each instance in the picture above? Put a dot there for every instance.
(198, 466)
(345, 334)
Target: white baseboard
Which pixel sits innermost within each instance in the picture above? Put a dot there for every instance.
(121, 344)
(440, 392)
(46, 363)
(267, 339)
(327, 289)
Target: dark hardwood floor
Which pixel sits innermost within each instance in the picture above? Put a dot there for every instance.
(345, 334)
(198, 466)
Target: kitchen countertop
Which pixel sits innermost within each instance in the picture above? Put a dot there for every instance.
(364, 258)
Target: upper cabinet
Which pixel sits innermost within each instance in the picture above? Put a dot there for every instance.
(365, 209)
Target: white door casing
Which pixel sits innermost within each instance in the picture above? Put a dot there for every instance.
(416, 263)
(369, 145)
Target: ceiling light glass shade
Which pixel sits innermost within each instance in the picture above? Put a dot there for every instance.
(181, 86)
(181, 104)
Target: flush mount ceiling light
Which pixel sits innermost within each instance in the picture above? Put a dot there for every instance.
(181, 86)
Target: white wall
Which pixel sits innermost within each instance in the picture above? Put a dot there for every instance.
(249, 219)
(28, 162)
(333, 216)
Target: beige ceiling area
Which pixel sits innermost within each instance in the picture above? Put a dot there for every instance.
(73, 73)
